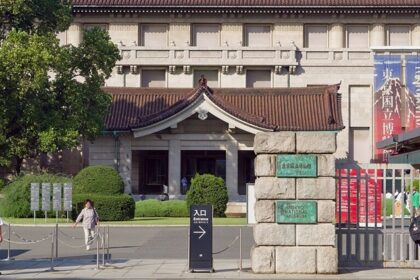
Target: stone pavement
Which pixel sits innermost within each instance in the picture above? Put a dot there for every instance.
(170, 269)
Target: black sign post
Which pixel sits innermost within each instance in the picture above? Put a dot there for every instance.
(201, 238)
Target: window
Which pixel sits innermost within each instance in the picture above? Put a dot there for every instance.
(154, 35)
(398, 35)
(357, 36)
(360, 150)
(316, 36)
(258, 78)
(153, 78)
(206, 35)
(257, 35)
(212, 77)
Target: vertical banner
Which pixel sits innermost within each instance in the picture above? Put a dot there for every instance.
(68, 189)
(359, 197)
(412, 77)
(387, 100)
(57, 197)
(46, 196)
(34, 196)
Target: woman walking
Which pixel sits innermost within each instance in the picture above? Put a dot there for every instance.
(90, 220)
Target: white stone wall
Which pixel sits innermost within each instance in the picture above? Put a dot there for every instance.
(294, 248)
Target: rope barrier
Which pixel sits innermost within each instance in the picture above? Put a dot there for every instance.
(227, 247)
(71, 237)
(27, 241)
(90, 242)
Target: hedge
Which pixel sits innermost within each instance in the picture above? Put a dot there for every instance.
(157, 208)
(110, 207)
(16, 201)
(98, 179)
(208, 189)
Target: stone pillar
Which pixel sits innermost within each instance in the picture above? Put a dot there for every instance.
(232, 169)
(125, 166)
(336, 36)
(377, 37)
(74, 34)
(295, 208)
(416, 35)
(174, 178)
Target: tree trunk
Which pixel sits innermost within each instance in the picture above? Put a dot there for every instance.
(18, 166)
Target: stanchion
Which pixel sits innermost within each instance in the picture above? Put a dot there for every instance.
(52, 251)
(9, 226)
(56, 241)
(97, 249)
(107, 246)
(240, 249)
(103, 247)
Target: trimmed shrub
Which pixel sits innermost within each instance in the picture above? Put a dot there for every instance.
(157, 208)
(208, 189)
(119, 207)
(98, 179)
(16, 201)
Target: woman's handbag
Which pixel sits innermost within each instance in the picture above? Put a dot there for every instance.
(415, 229)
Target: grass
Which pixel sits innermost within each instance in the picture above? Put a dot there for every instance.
(135, 221)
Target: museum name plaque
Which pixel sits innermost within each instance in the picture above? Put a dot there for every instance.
(296, 166)
(296, 212)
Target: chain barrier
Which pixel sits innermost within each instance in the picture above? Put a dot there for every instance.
(90, 242)
(27, 241)
(227, 247)
(69, 236)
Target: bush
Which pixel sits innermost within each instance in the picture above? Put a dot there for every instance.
(119, 207)
(415, 183)
(2, 184)
(208, 189)
(156, 208)
(98, 179)
(17, 195)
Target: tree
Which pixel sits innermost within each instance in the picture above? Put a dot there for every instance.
(50, 95)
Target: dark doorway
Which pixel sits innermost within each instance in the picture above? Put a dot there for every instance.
(245, 170)
(153, 171)
(202, 162)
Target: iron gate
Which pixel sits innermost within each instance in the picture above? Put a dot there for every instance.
(373, 207)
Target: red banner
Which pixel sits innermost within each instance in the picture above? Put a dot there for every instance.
(354, 182)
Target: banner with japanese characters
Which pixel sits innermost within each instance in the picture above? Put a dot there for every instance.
(388, 90)
(412, 76)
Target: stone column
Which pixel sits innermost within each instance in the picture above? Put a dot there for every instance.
(174, 164)
(377, 37)
(232, 169)
(336, 36)
(125, 161)
(74, 34)
(299, 238)
(416, 35)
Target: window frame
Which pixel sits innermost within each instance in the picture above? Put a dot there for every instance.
(245, 42)
(193, 37)
(141, 37)
(195, 82)
(305, 34)
(388, 34)
(154, 69)
(346, 42)
(259, 69)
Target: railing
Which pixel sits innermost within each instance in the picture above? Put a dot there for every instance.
(190, 55)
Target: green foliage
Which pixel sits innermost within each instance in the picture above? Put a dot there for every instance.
(208, 189)
(50, 95)
(415, 183)
(110, 207)
(156, 208)
(2, 184)
(17, 195)
(98, 179)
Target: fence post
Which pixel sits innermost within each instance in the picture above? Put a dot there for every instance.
(56, 241)
(107, 246)
(103, 247)
(52, 250)
(9, 230)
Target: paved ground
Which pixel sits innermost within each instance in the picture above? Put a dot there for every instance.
(170, 269)
(127, 242)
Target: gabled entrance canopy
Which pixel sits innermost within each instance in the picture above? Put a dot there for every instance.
(146, 111)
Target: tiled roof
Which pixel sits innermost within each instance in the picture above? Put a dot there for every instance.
(244, 3)
(315, 108)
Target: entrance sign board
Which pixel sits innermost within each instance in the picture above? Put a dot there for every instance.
(296, 166)
(57, 197)
(296, 212)
(46, 196)
(201, 238)
(68, 190)
(34, 196)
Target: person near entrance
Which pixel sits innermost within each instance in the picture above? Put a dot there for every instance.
(90, 220)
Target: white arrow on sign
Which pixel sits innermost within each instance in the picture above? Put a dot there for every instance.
(202, 232)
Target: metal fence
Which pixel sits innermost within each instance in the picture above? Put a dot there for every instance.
(374, 207)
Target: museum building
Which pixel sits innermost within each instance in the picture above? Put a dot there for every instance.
(198, 79)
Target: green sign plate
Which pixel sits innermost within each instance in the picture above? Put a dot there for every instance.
(296, 166)
(296, 212)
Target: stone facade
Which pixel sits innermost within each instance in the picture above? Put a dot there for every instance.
(294, 247)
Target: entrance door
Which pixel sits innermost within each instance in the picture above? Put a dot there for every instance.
(153, 171)
(202, 162)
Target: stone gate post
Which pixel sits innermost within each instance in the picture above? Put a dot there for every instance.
(295, 208)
